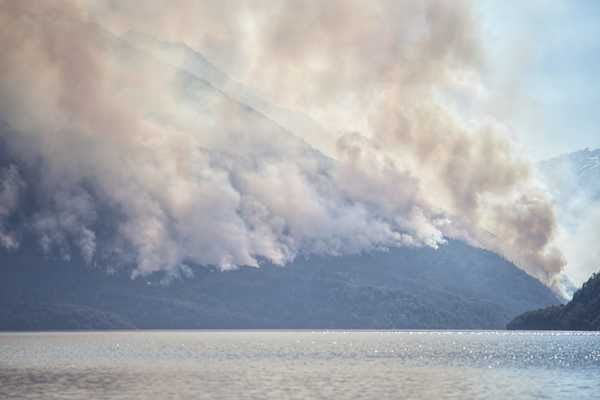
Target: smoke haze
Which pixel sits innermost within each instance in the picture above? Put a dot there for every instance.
(572, 182)
(373, 149)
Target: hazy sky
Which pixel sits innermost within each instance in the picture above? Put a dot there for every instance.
(554, 48)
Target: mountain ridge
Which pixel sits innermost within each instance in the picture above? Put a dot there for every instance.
(454, 287)
(572, 174)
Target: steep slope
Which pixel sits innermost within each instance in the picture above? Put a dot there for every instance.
(181, 57)
(456, 286)
(581, 313)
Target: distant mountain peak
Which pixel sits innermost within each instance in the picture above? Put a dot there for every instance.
(572, 174)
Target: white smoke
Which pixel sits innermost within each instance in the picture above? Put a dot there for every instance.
(194, 175)
(572, 181)
(580, 245)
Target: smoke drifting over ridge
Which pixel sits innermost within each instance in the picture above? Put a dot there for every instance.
(193, 175)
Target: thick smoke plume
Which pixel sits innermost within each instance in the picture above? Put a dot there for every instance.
(341, 131)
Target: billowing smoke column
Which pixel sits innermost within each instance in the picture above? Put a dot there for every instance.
(151, 158)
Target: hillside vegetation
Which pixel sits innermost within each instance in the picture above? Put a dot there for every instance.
(581, 313)
(455, 287)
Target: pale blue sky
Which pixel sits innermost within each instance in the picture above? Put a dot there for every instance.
(548, 54)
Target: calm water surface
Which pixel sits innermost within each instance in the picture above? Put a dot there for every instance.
(300, 365)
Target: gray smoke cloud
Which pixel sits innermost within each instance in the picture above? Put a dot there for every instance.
(361, 144)
(11, 186)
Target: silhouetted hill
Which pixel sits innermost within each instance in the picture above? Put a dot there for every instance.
(456, 286)
(581, 313)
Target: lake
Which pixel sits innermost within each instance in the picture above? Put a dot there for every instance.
(300, 365)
